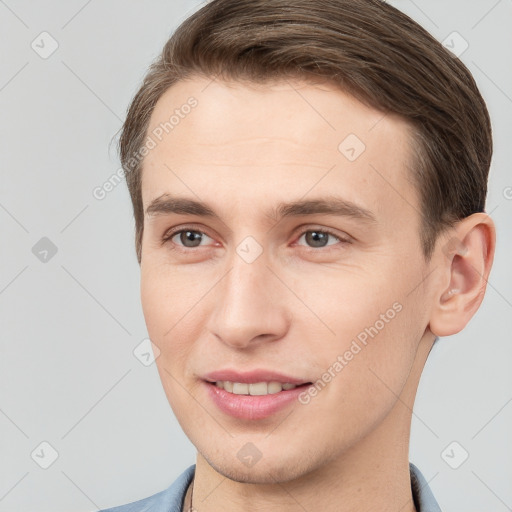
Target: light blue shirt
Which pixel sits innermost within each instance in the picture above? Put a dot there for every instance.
(171, 500)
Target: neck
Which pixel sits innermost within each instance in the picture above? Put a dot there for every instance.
(372, 475)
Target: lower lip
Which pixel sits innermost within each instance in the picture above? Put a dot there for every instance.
(252, 407)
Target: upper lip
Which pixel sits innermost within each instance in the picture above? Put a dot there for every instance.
(252, 376)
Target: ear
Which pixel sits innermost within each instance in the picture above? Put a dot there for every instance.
(466, 256)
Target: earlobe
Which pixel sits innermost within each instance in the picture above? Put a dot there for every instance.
(466, 259)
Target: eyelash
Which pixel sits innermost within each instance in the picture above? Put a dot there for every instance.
(168, 236)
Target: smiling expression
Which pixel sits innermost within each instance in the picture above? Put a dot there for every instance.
(280, 223)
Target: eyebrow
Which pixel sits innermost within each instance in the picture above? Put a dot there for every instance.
(331, 205)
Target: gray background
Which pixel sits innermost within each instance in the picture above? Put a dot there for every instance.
(70, 323)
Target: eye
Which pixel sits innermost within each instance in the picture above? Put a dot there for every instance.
(188, 238)
(318, 238)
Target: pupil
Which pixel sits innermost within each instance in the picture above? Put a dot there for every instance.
(316, 238)
(191, 236)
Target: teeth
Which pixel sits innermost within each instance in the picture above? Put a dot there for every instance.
(240, 388)
(256, 389)
(274, 387)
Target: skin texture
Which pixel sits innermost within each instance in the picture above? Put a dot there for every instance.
(243, 149)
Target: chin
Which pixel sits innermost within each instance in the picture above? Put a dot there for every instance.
(279, 468)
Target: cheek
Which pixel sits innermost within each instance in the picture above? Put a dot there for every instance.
(377, 374)
(174, 315)
(155, 308)
(347, 301)
(166, 295)
(370, 378)
(162, 312)
(371, 327)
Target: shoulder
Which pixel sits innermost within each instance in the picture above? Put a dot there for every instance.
(168, 500)
(423, 498)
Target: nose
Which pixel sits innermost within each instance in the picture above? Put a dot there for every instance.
(249, 306)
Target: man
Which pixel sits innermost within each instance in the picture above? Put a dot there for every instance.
(308, 181)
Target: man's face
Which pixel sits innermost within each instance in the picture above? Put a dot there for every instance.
(284, 293)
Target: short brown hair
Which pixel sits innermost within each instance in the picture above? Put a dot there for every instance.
(370, 50)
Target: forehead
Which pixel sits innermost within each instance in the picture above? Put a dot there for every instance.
(273, 140)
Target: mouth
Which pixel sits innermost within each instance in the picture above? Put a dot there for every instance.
(256, 388)
(253, 395)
